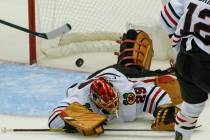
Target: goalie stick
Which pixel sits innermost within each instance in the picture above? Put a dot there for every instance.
(50, 35)
(5, 130)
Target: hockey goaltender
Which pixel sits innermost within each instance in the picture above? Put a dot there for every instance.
(109, 93)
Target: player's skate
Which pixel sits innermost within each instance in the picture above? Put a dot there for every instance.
(179, 136)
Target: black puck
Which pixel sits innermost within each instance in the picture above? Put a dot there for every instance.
(79, 62)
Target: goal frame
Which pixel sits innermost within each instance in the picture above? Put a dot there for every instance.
(34, 42)
(32, 27)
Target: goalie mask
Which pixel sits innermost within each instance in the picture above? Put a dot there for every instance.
(135, 49)
(104, 95)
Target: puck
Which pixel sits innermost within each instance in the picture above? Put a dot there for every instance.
(79, 62)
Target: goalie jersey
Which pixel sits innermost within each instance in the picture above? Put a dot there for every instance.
(188, 19)
(134, 97)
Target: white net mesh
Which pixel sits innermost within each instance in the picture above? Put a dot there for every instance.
(97, 22)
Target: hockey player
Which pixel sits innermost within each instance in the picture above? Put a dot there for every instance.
(112, 95)
(188, 24)
(109, 94)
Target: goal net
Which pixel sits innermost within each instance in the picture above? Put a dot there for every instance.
(97, 24)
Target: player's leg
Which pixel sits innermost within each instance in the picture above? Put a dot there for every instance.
(202, 74)
(194, 97)
(186, 120)
(193, 74)
(194, 101)
(194, 65)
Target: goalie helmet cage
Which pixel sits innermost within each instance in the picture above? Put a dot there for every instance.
(94, 22)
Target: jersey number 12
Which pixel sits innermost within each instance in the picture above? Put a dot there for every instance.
(205, 13)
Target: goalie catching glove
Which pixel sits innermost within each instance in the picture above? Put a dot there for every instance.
(164, 117)
(83, 120)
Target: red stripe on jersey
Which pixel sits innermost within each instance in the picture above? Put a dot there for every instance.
(153, 99)
(59, 110)
(169, 16)
(180, 119)
(149, 80)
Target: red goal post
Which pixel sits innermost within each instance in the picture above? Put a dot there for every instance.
(32, 27)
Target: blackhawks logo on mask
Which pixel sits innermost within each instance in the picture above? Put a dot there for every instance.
(129, 98)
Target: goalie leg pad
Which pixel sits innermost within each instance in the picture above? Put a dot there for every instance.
(143, 50)
(136, 49)
(171, 86)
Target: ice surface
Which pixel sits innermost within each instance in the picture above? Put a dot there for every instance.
(22, 86)
(31, 90)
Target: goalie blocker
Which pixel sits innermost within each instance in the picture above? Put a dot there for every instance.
(83, 120)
